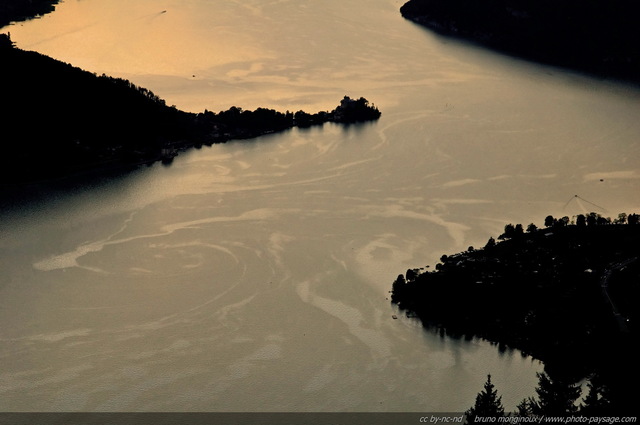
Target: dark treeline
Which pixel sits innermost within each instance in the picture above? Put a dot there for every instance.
(553, 399)
(597, 36)
(566, 294)
(20, 10)
(59, 119)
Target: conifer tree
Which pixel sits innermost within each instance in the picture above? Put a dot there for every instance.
(596, 402)
(555, 397)
(488, 403)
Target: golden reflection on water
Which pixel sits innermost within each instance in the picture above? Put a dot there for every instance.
(215, 54)
(144, 41)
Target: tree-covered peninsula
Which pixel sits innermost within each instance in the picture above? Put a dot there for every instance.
(58, 119)
(597, 36)
(566, 294)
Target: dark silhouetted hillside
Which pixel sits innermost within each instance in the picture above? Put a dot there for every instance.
(20, 10)
(58, 119)
(597, 36)
(566, 294)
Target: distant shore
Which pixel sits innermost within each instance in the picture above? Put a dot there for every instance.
(597, 37)
(21, 10)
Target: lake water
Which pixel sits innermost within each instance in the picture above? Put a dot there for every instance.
(254, 276)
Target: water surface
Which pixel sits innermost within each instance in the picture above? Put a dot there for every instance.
(254, 276)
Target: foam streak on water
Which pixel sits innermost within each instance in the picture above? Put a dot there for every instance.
(254, 276)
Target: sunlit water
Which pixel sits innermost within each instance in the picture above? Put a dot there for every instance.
(254, 276)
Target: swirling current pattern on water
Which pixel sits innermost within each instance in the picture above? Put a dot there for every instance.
(254, 276)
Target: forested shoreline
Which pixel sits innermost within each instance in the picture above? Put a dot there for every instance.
(21, 10)
(61, 119)
(598, 37)
(565, 294)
